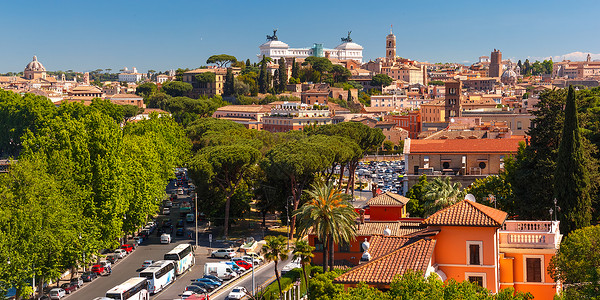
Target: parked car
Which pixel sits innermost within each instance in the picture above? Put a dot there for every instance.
(127, 247)
(77, 281)
(179, 223)
(138, 240)
(206, 286)
(237, 292)
(209, 281)
(294, 264)
(88, 276)
(120, 252)
(187, 294)
(112, 258)
(100, 270)
(223, 253)
(189, 218)
(68, 287)
(166, 211)
(214, 278)
(179, 232)
(242, 263)
(196, 289)
(147, 263)
(255, 256)
(249, 260)
(165, 238)
(57, 293)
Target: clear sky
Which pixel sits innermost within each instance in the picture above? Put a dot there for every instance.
(87, 35)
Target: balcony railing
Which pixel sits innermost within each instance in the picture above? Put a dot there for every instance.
(530, 234)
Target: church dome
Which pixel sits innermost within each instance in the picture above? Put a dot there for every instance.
(35, 65)
(349, 46)
(509, 74)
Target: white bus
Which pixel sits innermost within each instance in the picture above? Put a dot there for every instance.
(135, 288)
(159, 275)
(183, 256)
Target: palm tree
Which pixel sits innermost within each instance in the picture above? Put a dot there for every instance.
(303, 252)
(441, 193)
(274, 250)
(330, 217)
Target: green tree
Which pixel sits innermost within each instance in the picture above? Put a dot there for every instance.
(228, 87)
(388, 145)
(381, 80)
(221, 60)
(330, 216)
(441, 193)
(295, 68)
(319, 64)
(496, 186)
(157, 100)
(226, 167)
(177, 88)
(303, 251)
(206, 77)
(262, 76)
(340, 73)
(571, 179)
(283, 80)
(146, 89)
(274, 250)
(323, 288)
(416, 194)
(576, 264)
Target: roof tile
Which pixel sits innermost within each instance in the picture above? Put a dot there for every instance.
(388, 199)
(467, 213)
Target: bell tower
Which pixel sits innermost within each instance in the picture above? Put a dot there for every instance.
(390, 45)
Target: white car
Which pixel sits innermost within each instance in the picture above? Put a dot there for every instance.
(238, 292)
(187, 294)
(147, 263)
(121, 253)
(249, 260)
(165, 238)
(166, 211)
(256, 256)
(58, 293)
(223, 253)
(294, 264)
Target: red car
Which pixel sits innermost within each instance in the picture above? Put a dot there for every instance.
(100, 270)
(127, 247)
(68, 287)
(243, 264)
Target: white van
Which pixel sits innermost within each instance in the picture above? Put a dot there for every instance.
(220, 270)
(165, 238)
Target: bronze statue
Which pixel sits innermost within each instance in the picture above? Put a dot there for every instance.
(273, 37)
(347, 39)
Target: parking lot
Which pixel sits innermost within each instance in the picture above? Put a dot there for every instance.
(386, 175)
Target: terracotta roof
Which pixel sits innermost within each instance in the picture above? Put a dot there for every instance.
(159, 111)
(388, 199)
(125, 96)
(502, 146)
(382, 270)
(467, 213)
(244, 108)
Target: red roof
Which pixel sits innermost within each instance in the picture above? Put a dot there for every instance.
(467, 213)
(510, 145)
(382, 270)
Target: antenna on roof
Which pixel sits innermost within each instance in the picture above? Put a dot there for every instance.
(470, 197)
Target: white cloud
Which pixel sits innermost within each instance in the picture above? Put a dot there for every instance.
(575, 56)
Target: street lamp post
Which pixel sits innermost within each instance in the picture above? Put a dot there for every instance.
(287, 211)
(196, 216)
(253, 286)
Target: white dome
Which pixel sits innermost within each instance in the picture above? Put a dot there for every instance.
(509, 73)
(35, 65)
(274, 45)
(349, 46)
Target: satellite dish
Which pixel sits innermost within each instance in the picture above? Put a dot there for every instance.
(452, 120)
(470, 197)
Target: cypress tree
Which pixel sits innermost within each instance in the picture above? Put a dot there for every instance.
(571, 178)
(276, 82)
(283, 80)
(247, 62)
(262, 76)
(268, 81)
(228, 86)
(295, 68)
(349, 99)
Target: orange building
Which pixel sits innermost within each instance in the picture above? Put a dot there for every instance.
(466, 241)
(411, 122)
(387, 206)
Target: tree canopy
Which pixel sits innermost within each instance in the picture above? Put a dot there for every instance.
(221, 59)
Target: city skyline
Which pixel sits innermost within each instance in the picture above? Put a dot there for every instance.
(112, 35)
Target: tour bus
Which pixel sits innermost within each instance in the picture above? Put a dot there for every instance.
(135, 288)
(159, 275)
(183, 256)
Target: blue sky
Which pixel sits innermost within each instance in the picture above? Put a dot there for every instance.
(160, 35)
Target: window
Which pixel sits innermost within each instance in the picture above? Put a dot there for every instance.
(318, 245)
(474, 252)
(344, 247)
(533, 268)
(446, 165)
(482, 165)
(519, 125)
(476, 279)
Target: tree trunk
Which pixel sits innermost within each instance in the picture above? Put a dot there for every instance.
(278, 281)
(325, 254)
(227, 205)
(264, 218)
(342, 167)
(305, 276)
(331, 250)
